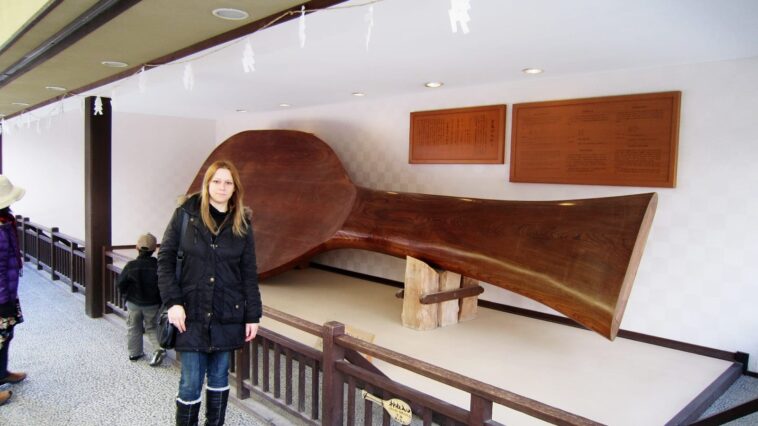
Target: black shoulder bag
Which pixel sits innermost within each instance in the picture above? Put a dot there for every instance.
(166, 330)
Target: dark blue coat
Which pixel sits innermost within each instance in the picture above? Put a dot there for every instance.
(10, 263)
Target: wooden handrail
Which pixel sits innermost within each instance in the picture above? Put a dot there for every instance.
(66, 237)
(293, 321)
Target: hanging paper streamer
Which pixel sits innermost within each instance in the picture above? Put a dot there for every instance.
(28, 118)
(39, 131)
(302, 26)
(98, 106)
(2, 125)
(189, 77)
(113, 98)
(370, 19)
(248, 58)
(459, 14)
(142, 80)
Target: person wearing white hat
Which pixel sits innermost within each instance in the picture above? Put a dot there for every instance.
(11, 263)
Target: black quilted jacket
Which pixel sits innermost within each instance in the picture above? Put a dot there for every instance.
(139, 280)
(219, 283)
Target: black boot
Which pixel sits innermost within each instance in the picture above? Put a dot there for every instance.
(186, 414)
(215, 407)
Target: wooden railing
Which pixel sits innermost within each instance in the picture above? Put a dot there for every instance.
(268, 367)
(55, 252)
(318, 387)
(324, 387)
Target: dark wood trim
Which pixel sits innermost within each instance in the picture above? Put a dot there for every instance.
(197, 47)
(97, 205)
(739, 357)
(29, 25)
(95, 17)
(726, 416)
(697, 406)
(292, 13)
(379, 280)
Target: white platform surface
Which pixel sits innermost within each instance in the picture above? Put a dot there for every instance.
(617, 383)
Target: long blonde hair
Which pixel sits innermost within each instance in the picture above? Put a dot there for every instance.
(235, 206)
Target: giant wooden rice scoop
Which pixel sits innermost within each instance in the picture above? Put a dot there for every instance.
(578, 257)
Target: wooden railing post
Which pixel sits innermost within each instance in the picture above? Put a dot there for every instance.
(71, 265)
(333, 384)
(23, 221)
(481, 410)
(53, 274)
(107, 282)
(36, 245)
(242, 370)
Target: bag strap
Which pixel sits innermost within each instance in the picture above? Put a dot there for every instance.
(180, 250)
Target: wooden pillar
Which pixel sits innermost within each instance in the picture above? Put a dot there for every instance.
(97, 196)
(333, 399)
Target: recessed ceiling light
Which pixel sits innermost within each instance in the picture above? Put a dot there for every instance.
(532, 70)
(22, 104)
(285, 105)
(359, 94)
(114, 64)
(434, 84)
(56, 88)
(240, 110)
(230, 14)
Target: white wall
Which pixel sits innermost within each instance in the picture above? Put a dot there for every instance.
(48, 161)
(155, 159)
(696, 281)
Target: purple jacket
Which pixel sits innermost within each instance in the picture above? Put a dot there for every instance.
(9, 264)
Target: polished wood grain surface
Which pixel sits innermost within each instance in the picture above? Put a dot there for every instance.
(578, 257)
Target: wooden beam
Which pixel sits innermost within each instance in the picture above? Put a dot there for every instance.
(97, 201)
(442, 296)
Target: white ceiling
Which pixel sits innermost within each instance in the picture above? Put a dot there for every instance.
(412, 42)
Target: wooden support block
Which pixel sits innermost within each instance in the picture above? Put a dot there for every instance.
(447, 312)
(468, 304)
(420, 279)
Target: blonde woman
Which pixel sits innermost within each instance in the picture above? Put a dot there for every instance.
(216, 305)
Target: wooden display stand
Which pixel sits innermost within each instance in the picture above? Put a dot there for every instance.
(434, 298)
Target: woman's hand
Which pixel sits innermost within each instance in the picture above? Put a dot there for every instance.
(251, 329)
(177, 316)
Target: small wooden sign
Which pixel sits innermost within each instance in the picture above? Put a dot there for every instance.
(616, 140)
(463, 135)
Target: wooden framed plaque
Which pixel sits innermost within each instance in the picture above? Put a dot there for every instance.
(626, 140)
(461, 135)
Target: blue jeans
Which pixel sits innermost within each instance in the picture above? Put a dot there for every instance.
(195, 366)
